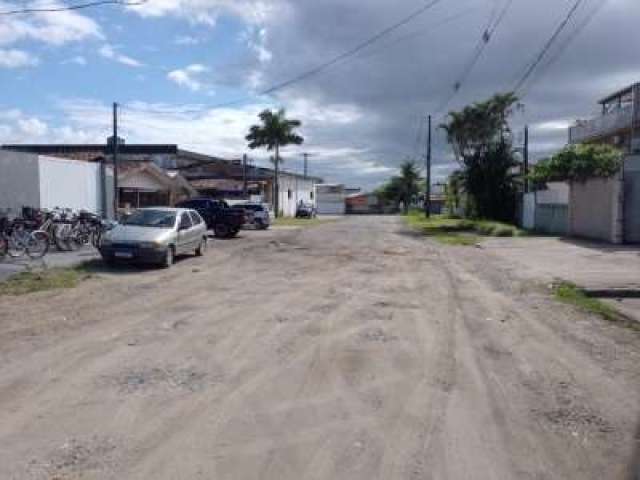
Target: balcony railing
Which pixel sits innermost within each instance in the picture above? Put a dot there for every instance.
(607, 124)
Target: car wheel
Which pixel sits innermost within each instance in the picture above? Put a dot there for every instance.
(202, 247)
(168, 258)
(221, 230)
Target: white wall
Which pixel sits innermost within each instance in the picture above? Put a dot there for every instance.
(292, 190)
(529, 211)
(70, 184)
(19, 177)
(557, 193)
(331, 199)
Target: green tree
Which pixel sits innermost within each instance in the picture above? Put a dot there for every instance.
(275, 131)
(578, 163)
(481, 140)
(403, 188)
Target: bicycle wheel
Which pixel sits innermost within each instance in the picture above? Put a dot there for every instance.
(15, 246)
(4, 247)
(37, 244)
(61, 237)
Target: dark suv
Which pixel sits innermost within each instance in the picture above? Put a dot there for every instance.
(225, 221)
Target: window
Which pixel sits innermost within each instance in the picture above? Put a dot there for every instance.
(185, 221)
(289, 194)
(311, 195)
(195, 218)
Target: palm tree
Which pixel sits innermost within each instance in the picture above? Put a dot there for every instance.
(275, 131)
(409, 183)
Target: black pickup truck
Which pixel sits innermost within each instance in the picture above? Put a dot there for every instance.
(225, 221)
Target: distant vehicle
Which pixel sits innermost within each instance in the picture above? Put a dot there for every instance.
(258, 215)
(225, 221)
(305, 211)
(155, 235)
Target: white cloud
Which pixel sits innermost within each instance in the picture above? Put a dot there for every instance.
(189, 76)
(186, 40)
(56, 28)
(12, 58)
(208, 11)
(77, 60)
(107, 51)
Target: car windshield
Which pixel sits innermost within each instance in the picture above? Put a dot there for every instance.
(255, 208)
(151, 218)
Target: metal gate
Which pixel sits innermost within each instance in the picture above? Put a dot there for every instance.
(632, 206)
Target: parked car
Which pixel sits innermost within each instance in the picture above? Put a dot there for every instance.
(155, 235)
(257, 215)
(305, 211)
(225, 221)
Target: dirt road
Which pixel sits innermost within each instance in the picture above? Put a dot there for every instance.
(352, 350)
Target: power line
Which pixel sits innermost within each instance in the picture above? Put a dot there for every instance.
(486, 37)
(353, 51)
(323, 66)
(81, 6)
(570, 38)
(71, 7)
(548, 45)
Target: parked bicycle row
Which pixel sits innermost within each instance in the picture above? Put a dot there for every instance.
(35, 231)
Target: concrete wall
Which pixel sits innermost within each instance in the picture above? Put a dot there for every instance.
(70, 184)
(595, 209)
(19, 181)
(529, 211)
(632, 200)
(294, 189)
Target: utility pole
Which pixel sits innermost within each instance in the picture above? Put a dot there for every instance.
(115, 144)
(427, 197)
(244, 176)
(306, 163)
(525, 158)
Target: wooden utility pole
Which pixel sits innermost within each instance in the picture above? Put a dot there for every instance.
(244, 176)
(525, 158)
(427, 195)
(276, 202)
(306, 164)
(115, 144)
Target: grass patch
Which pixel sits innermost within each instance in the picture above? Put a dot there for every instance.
(458, 231)
(568, 293)
(51, 279)
(300, 222)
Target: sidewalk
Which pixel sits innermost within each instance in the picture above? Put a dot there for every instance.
(592, 266)
(54, 259)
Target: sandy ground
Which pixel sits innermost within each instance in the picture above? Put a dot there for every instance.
(352, 350)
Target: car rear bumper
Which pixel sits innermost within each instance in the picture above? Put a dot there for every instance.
(133, 253)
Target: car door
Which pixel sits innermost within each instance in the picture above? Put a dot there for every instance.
(198, 229)
(185, 233)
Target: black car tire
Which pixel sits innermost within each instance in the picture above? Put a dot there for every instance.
(221, 230)
(168, 258)
(202, 247)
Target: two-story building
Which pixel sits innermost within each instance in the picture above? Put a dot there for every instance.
(609, 209)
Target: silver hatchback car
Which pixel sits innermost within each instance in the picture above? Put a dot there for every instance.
(155, 235)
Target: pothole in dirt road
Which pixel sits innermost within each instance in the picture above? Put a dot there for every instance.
(575, 419)
(147, 380)
(376, 335)
(79, 458)
(567, 412)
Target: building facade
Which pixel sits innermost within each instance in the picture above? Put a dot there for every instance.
(609, 209)
(208, 175)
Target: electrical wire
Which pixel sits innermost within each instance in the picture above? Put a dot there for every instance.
(547, 46)
(23, 11)
(349, 53)
(486, 37)
(600, 4)
(323, 66)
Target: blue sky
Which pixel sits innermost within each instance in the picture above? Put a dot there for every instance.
(170, 63)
